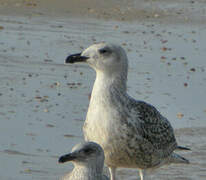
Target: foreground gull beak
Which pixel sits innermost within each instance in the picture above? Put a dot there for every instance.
(76, 58)
(67, 157)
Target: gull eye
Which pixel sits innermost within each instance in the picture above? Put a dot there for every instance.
(88, 151)
(104, 51)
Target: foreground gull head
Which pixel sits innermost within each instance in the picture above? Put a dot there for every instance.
(132, 133)
(102, 57)
(88, 160)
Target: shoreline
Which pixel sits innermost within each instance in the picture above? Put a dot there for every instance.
(164, 12)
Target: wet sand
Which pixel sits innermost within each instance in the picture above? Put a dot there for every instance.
(166, 11)
(44, 102)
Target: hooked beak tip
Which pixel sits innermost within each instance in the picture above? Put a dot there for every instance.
(67, 157)
(75, 58)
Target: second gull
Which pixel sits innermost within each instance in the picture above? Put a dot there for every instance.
(88, 160)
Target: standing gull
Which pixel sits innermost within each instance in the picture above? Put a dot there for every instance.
(132, 133)
(88, 160)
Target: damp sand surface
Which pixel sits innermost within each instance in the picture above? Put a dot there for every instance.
(44, 102)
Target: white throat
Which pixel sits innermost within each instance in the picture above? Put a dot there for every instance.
(109, 82)
(89, 172)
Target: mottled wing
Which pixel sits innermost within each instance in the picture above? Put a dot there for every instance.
(155, 128)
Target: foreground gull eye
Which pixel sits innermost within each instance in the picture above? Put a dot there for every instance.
(103, 51)
(88, 151)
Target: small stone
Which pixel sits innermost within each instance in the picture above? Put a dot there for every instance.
(156, 15)
(68, 135)
(193, 69)
(163, 57)
(50, 125)
(46, 110)
(164, 49)
(180, 115)
(57, 84)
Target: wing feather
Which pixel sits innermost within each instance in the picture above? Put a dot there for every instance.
(154, 127)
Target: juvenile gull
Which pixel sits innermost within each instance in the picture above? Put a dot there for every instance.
(88, 160)
(132, 133)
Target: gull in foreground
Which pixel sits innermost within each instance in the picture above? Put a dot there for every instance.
(88, 160)
(132, 133)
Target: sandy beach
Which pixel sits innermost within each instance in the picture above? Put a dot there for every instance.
(166, 11)
(44, 102)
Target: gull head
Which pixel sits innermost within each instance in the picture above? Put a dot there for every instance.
(104, 57)
(84, 154)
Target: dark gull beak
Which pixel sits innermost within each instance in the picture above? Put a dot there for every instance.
(67, 157)
(76, 58)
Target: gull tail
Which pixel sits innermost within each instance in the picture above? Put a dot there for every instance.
(181, 148)
(175, 158)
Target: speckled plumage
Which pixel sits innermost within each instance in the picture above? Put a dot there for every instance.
(132, 133)
(88, 160)
(79, 174)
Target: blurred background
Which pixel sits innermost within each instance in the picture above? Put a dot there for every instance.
(43, 103)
